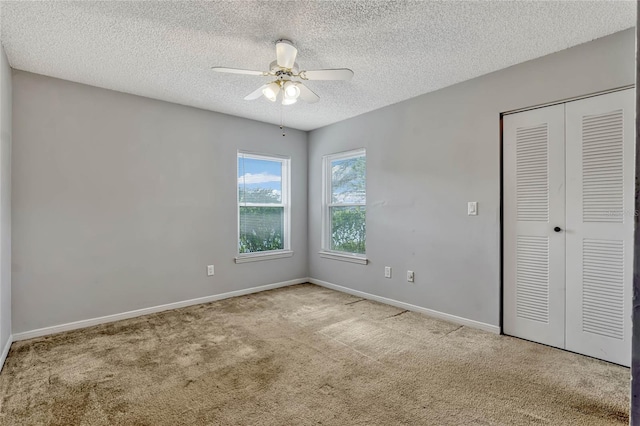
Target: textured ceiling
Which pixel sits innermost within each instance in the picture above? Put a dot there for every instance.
(397, 50)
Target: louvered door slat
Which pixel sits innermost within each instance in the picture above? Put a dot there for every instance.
(532, 278)
(603, 133)
(603, 255)
(532, 157)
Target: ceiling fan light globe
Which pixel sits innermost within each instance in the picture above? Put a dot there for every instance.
(291, 90)
(289, 101)
(271, 91)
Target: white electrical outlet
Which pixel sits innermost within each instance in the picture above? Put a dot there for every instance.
(210, 270)
(410, 276)
(387, 271)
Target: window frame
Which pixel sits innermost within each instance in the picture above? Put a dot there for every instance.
(285, 203)
(327, 204)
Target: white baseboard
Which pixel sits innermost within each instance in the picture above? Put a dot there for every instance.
(402, 305)
(145, 311)
(5, 352)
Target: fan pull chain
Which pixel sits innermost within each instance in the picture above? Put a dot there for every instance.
(282, 120)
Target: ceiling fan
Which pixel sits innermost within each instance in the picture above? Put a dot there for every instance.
(285, 70)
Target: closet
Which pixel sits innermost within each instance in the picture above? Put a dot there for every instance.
(568, 215)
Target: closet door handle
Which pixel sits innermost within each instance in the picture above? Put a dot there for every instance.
(557, 229)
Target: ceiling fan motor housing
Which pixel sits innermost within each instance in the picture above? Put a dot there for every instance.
(279, 71)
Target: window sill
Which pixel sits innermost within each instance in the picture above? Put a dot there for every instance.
(352, 258)
(257, 257)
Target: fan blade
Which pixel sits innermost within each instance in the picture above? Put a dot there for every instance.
(335, 74)
(286, 53)
(307, 94)
(239, 71)
(255, 94)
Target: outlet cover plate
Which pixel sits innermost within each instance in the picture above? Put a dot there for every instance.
(410, 276)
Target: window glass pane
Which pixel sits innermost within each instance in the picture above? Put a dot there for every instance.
(348, 180)
(348, 229)
(261, 229)
(259, 181)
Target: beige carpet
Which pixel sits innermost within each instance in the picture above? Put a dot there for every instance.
(302, 355)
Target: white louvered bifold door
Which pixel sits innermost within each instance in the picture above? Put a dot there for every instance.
(534, 202)
(599, 230)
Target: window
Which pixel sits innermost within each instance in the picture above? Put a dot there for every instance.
(263, 207)
(344, 206)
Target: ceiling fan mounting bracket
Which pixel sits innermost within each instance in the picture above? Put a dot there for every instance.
(284, 40)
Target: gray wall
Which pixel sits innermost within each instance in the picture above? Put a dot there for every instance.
(120, 202)
(5, 200)
(428, 156)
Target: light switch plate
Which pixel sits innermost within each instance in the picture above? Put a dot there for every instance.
(387, 271)
(210, 270)
(472, 208)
